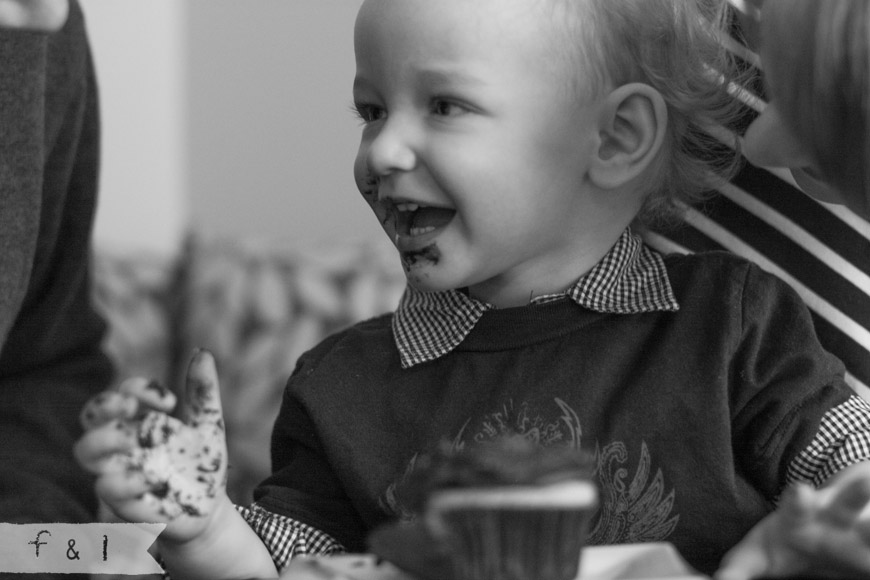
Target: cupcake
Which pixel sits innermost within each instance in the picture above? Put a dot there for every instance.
(508, 509)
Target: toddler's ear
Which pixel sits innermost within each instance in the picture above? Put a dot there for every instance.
(632, 129)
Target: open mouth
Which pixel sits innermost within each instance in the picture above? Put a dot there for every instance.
(413, 219)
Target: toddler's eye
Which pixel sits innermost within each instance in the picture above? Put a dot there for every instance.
(369, 113)
(446, 108)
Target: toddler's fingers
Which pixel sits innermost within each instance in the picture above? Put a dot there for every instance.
(150, 393)
(110, 463)
(121, 486)
(202, 392)
(106, 407)
(743, 563)
(798, 504)
(846, 502)
(97, 445)
(128, 496)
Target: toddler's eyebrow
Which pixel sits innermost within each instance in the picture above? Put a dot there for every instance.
(433, 77)
(448, 76)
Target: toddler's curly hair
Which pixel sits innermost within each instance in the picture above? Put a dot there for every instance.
(675, 46)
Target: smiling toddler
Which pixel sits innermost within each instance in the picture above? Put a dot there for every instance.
(508, 148)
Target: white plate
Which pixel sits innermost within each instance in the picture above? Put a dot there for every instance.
(635, 562)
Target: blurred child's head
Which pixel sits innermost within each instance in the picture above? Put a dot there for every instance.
(816, 59)
(507, 143)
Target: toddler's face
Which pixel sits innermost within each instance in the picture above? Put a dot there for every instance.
(43, 15)
(474, 147)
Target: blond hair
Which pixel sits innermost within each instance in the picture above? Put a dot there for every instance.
(675, 47)
(816, 55)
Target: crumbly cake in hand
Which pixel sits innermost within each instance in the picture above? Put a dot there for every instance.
(181, 466)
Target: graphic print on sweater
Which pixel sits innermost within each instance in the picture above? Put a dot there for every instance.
(631, 509)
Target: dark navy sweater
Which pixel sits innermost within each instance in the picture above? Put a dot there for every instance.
(694, 416)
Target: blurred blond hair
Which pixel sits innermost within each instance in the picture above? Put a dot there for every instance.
(816, 56)
(676, 47)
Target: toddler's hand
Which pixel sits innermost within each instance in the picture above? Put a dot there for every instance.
(822, 533)
(153, 467)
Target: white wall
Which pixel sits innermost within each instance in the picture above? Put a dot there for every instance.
(272, 135)
(229, 117)
(138, 51)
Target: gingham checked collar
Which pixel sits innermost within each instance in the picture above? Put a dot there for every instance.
(631, 278)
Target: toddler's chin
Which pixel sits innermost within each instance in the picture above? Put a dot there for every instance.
(422, 284)
(426, 282)
(429, 271)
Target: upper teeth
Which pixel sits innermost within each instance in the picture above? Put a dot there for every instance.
(407, 206)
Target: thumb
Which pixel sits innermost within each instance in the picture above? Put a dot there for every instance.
(748, 559)
(202, 398)
(742, 566)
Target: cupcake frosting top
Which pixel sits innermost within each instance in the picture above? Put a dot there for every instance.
(505, 461)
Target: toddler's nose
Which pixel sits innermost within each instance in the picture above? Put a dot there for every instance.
(392, 149)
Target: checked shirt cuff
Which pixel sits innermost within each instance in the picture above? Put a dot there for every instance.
(286, 538)
(843, 439)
